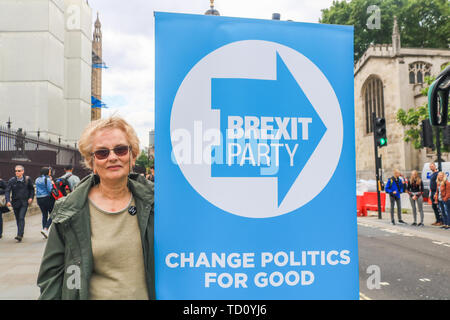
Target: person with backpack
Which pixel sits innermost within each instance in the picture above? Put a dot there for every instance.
(395, 188)
(19, 195)
(69, 179)
(45, 199)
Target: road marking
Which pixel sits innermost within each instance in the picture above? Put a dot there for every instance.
(441, 243)
(362, 296)
(425, 280)
(365, 225)
(398, 232)
(384, 283)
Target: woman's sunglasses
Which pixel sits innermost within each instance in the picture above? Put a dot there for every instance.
(120, 151)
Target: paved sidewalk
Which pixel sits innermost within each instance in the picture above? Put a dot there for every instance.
(19, 262)
(428, 231)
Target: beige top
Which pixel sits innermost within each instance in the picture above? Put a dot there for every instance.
(119, 272)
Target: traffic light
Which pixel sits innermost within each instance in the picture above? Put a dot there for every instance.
(438, 99)
(379, 131)
(427, 134)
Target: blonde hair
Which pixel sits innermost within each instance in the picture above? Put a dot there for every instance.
(415, 177)
(444, 177)
(114, 122)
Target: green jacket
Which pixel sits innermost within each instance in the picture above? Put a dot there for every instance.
(67, 263)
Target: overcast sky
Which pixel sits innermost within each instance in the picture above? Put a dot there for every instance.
(128, 45)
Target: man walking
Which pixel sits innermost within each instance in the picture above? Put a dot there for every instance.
(433, 189)
(22, 190)
(72, 179)
(395, 187)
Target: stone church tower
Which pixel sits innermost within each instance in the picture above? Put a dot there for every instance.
(97, 63)
(387, 78)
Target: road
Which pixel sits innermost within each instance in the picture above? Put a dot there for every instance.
(414, 263)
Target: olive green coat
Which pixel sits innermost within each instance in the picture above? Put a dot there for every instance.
(67, 263)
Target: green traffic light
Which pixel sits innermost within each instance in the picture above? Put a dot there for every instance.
(383, 141)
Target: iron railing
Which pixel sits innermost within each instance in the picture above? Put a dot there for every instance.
(20, 143)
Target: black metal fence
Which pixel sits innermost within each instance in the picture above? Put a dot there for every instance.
(33, 153)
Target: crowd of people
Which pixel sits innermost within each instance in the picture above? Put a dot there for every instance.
(19, 192)
(439, 194)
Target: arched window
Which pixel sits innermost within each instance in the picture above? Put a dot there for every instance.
(419, 77)
(373, 100)
(417, 70)
(412, 77)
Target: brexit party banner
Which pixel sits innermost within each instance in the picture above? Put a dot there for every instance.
(255, 159)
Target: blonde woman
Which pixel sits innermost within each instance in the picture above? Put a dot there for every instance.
(415, 191)
(100, 246)
(442, 197)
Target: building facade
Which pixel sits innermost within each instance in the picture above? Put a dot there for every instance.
(388, 78)
(45, 67)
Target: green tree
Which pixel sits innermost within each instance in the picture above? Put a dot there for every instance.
(422, 23)
(143, 160)
(412, 119)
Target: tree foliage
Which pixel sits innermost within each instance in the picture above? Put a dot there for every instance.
(422, 23)
(143, 160)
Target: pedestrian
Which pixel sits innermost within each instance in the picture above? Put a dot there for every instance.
(415, 191)
(72, 180)
(151, 175)
(3, 207)
(395, 188)
(103, 230)
(433, 189)
(22, 190)
(442, 197)
(45, 199)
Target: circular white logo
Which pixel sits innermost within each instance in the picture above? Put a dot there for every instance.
(194, 124)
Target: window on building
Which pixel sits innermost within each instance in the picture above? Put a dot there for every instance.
(417, 70)
(419, 77)
(373, 100)
(412, 77)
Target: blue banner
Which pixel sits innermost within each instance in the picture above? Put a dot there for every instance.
(255, 159)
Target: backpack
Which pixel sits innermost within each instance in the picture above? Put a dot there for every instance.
(55, 192)
(63, 184)
(397, 184)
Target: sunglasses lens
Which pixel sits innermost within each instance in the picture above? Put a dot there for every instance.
(121, 150)
(101, 154)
